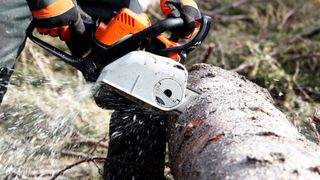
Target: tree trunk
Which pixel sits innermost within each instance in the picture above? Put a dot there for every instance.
(233, 131)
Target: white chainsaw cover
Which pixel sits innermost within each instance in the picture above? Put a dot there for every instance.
(156, 80)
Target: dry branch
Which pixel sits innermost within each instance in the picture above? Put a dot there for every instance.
(80, 155)
(208, 53)
(89, 159)
(233, 131)
(316, 116)
(228, 19)
(82, 139)
(234, 4)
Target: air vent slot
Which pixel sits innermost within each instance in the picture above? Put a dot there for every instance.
(126, 19)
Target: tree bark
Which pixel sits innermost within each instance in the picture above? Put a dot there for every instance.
(233, 131)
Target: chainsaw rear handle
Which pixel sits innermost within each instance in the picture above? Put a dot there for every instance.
(144, 39)
(168, 24)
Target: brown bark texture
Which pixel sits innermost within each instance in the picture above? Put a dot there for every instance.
(233, 131)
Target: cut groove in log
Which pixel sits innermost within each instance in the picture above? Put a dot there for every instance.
(233, 131)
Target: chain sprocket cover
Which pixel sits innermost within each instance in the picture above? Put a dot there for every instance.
(155, 80)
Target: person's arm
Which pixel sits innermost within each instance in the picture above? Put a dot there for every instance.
(57, 18)
(186, 9)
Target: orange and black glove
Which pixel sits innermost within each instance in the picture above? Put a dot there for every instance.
(187, 10)
(57, 18)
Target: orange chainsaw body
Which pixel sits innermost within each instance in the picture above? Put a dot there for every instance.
(125, 23)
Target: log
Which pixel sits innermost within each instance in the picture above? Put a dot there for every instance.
(233, 131)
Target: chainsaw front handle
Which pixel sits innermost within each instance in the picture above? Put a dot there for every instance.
(101, 56)
(151, 32)
(73, 61)
(195, 41)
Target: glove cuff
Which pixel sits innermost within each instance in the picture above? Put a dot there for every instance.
(69, 17)
(54, 9)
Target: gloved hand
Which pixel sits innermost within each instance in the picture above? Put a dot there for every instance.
(186, 9)
(57, 18)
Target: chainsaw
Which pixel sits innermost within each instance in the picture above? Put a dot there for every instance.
(133, 58)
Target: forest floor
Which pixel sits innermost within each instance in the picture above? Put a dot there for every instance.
(49, 120)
